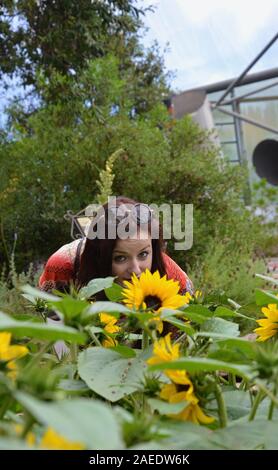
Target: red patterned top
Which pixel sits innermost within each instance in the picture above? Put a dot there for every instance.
(60, 270)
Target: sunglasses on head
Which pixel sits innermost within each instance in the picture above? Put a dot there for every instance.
(140, 213)
(80, 223)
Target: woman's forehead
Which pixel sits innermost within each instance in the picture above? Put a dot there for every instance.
(134, 244)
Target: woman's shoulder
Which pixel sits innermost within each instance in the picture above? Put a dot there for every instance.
(65, 254)
(174, 271)
(59, 268)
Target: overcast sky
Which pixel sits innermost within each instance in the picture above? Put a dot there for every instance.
(213, 40)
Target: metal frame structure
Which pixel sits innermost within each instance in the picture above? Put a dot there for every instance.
(236, 100)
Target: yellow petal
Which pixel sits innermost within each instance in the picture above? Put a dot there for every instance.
(14, 352)
(52, 440)
(5, 339)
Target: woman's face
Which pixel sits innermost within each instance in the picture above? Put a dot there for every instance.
(131, 256)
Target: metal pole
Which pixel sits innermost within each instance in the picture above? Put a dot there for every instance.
(238, 80)
(249, 120)
(241, 97)
(237, 125)
(247, 194)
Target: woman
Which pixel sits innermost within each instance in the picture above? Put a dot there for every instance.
(100, 256)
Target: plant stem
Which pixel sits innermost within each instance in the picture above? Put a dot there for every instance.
(237, 314)
(73, 352)
(267, 392)
(5, 405)
(145, 339)
(222, 412)
(4, 242)
(242, 384)
(272, 404)
(184, 335)
(28, 424)
(232, 379)
(257, 401)
(38, 356)
(233, 303)
(96, 340)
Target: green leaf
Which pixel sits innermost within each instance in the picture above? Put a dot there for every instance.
(124, 351)
(114, 293)
(199, 309)
(239, 344)
(109, 374)
(251, 309)
(164, 408)
(231, 349)
(73, 387)
(38, 294)
(168, 312)
(104, 307)
(195, 364)
(48, 332)
(237, 403)
(69, 307)
(258, 434)
(181, 325)
(30, 298)
(94, 329)
(79, 419)
(265, 297)
(223, 312)
(13, 444)
(27, 317)
(95, 286)
(195, 317)
(218, 325)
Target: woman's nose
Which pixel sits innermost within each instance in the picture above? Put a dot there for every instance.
(134, 267)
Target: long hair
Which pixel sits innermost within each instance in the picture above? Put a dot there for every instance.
(96, 259)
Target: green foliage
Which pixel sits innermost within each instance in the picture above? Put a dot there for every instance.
(228, 269)
(264, 200)
(232, 379)
(51, 332)
(11, 299)
(79, 419)
(106, 178)
(60, 36)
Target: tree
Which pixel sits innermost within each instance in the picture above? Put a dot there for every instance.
(59, 35)
(44, 40)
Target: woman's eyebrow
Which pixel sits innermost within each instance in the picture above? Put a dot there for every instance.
(125, 253)
(148, 246)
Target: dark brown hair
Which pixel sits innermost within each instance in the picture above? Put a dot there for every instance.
(96, 259)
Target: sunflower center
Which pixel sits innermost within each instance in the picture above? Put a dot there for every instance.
(153, 302)
(182, 387)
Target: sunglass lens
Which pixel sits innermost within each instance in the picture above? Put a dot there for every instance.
(143, 213)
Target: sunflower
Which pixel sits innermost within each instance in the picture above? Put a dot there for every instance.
(109, 322)
(9, 353)
(165, 351)
(110, 327)
(192, 411)
(268, 325)
(153, 292)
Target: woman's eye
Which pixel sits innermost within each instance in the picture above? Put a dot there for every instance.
(143, 255)
(119, 259)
